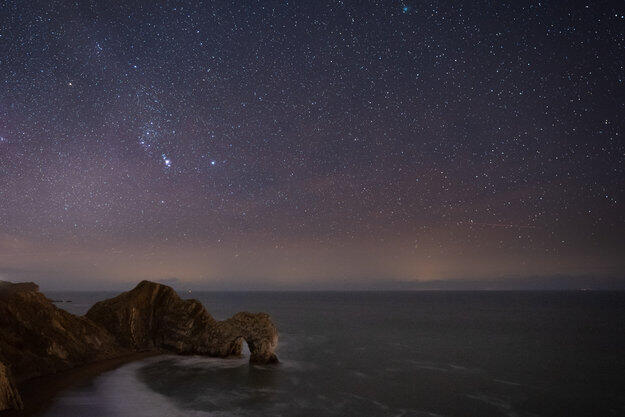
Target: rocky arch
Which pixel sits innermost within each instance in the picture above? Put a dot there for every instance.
(153, 316)
(40, 339)
(257, 330)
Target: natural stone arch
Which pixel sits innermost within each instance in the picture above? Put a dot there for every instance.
(153, 316)
(257, 330)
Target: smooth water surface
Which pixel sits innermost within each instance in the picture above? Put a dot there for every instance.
(386, 354)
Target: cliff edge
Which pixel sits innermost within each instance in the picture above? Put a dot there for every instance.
(153, 316)
(40, 339)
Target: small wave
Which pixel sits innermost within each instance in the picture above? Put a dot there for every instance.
(202, 361)
(441, 367)
(389, 411)
(289, 365)
(361, 375)
(465, 369)
(494, 401)
(415, 413)
(501, 381)
(429, 366)
(500, 404)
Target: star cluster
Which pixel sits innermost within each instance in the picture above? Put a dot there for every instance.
(294, 141)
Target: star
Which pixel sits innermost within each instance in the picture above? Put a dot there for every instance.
(375, 127)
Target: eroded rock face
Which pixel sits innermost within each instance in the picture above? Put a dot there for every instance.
(153, 316)
(40, 339)
(256, 329)
(9, 396)
(37, 338)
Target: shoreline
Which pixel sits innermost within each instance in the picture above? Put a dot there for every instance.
(39, 393)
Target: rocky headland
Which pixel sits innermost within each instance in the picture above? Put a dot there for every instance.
(39, 339)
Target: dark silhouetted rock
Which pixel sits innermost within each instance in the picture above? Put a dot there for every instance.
(37, 338)
(40, 339)
(153, 316)
(9, 397)
(256, 329)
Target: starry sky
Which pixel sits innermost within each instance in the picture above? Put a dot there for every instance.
(311, 144)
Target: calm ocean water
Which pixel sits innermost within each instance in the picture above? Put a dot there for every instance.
(386, 354)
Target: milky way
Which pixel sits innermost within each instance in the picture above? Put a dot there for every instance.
(305, 143)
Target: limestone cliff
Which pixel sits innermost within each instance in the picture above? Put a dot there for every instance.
(40, 339)
(37, 338)
(9, 397)
(153, 316)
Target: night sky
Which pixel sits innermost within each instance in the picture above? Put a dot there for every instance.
(310, 144)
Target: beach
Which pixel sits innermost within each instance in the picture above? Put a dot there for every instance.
(38, 393)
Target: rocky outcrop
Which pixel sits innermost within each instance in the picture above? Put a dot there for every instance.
(9, 396)
(37, 338)
(256, 329)
(153, 316)
(40, 339)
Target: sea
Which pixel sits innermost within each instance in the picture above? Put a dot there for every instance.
(401, 354)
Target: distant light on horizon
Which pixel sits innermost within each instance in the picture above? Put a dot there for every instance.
(312, 144)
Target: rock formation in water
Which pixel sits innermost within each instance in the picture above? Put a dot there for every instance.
(153, 316)
(37, 338)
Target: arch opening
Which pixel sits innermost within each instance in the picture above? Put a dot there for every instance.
(245, 349)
